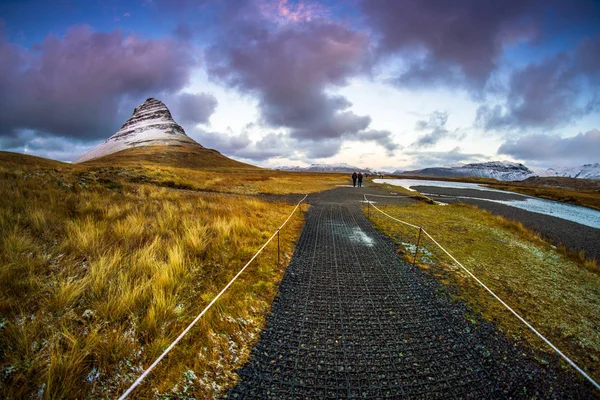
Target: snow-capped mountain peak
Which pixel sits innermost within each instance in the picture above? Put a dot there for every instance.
(506, 171)
(150, 125)
(586, 171)
(500, 170)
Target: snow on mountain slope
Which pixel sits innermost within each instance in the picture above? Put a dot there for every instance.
(341, 167)
(151, 124)
(500, 170)
(586, 171)
(506, 171)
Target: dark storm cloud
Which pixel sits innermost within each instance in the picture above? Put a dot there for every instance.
(447, 42)
(73, 86)
(193, 108)
(579, 149)
(435, 127)
(290, 69)
(43, 145)
(550, 93)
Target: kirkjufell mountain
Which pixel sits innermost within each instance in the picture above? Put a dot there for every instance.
(150, 125)
(151, 135)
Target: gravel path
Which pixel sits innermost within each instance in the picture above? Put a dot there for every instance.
(352, 320)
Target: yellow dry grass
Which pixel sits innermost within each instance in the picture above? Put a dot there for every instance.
(247, 181)
(558, 294)
(99, 273)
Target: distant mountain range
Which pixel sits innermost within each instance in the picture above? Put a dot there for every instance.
(504, 171)
(586, 171)
(341, 167)
(500, 170)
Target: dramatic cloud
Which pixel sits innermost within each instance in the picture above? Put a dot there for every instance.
(282, 11)
(447, 42)
(424, 159)
(56, 148)
(576, 150)
(550, 93)
(380, 137)
(435, 127)
(290, 70)
(193, 108)
(73, 86)
(272, 145)
(241, 146)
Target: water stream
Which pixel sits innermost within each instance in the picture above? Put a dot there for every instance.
(569, 212)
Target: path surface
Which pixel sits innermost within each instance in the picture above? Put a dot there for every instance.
(354, 321)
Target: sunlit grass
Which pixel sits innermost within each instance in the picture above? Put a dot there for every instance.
(99, 275)
(556, 292)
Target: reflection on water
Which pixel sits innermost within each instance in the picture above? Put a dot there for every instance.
(569, 212)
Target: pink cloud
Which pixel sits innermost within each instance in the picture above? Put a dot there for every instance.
(284, 11)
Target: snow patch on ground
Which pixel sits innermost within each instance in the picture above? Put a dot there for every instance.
(359, 236)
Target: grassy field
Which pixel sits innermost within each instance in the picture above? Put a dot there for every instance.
(557, 293)
(581, 192)
(101, 269)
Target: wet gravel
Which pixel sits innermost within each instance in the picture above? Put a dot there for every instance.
(352, 320)
(574, 236)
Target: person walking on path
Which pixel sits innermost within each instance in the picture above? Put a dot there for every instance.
(360, 179)
(354, 176)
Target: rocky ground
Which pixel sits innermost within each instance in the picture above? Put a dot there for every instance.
(352, 320)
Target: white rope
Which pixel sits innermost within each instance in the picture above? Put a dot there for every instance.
(388, 215)
(155, 363)
(567, 359)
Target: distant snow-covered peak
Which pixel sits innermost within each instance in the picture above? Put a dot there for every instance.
(586, 171)
(506, 171)
(500, 170)
(334, 167)
(150, 125)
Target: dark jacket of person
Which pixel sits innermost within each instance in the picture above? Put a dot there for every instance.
(354, 176)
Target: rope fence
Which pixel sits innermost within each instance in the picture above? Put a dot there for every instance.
(186, 330)
(527, 324)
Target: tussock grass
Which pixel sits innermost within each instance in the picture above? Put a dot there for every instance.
(223, 180)
(557, 293)
(97, 279)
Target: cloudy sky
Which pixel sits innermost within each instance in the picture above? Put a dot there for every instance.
(374, 83)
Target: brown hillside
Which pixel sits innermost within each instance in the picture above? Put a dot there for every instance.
(189, 156)
(21, 161)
